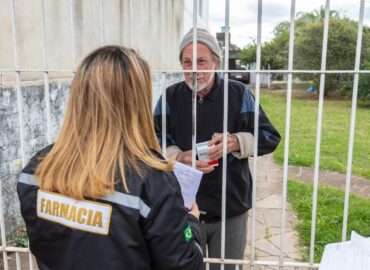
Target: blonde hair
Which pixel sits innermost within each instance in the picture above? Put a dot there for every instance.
(108, 126)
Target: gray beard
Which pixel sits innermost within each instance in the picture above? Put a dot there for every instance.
(200, 86)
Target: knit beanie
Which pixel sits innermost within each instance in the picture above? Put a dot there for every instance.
(204, 37)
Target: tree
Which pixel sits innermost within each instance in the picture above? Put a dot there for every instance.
(248, 54)
(273, 53)
(341, 50)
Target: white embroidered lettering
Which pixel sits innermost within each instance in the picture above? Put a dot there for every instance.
(83, 215)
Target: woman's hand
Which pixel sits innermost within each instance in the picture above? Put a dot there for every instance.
(195, 211)
(186, 158)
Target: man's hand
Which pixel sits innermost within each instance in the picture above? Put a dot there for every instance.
(185, 157)
(215, 153)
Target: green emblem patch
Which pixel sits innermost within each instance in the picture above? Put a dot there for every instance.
(188, 233)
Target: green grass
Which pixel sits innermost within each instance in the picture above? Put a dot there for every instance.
(284, 84)
(329, 219)
(335, 132)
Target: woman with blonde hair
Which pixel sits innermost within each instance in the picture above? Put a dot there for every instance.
(102, 197)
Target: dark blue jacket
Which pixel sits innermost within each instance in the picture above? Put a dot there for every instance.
(149, 228)
(210, 121)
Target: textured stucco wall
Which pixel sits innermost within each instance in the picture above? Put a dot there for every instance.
(132, 23)
(35, 133)
(34, 136)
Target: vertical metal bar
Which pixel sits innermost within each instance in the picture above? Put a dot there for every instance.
(256, 124)
(163, 80)
(18, 85)
(131, 18)
(207, 256)
(72, 33)
(194, 83)
(102, 34)
(2, 223)
(353, 119)
(30, 260)
(224, 146)
(2, 227)
(287, 132)
(46, 75)
(17, 261)
(319, 126)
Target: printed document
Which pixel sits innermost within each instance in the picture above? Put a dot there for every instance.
(349, 255)
(189, 179)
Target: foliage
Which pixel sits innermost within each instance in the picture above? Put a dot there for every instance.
(346, 86)
(329, 218)
(21, 241)
(248, 54)
(341, 50)
(273, 53)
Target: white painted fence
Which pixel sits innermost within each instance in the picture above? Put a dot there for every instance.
(252, 261)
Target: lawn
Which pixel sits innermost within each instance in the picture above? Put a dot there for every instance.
(329, 216)
(335, 131)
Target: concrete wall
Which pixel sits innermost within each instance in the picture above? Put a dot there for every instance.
(34, 134)
(203, 15)
(265, 79)
(132, 23)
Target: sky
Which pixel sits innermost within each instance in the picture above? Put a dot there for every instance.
(243, 15)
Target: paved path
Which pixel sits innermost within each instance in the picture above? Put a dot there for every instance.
(359, 185)
(268, 216)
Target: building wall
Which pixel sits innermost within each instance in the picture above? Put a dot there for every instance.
(133, 23)
(203, 15)
(34, 135)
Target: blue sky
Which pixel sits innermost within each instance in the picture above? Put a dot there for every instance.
(243, 15)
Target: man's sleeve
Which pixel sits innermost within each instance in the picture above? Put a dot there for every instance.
(173, 235)
(246, 142)
(268, 136)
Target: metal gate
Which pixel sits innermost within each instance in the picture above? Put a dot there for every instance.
(252, 261)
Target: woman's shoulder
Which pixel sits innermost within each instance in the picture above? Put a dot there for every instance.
(30, 168)
(159, 180)
(156, 184)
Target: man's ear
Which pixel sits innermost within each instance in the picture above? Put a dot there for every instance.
(217, 67)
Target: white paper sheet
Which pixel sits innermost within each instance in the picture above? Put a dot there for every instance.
(189, 179)
(349, 255)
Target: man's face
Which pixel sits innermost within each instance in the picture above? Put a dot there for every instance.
(205, 61)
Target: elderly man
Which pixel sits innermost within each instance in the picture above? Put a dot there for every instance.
(210, 94)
